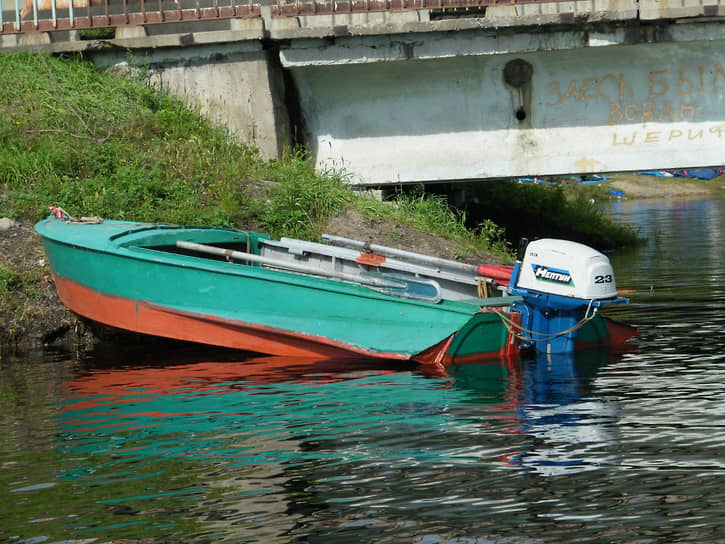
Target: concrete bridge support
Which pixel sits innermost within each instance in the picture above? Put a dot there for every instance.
(243, 90)
(238, 84)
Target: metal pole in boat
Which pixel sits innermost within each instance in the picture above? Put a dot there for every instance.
(293, 267)
(394, 252)
(520, 254)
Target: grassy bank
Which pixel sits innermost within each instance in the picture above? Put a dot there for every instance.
(110, 145)
(545, 210)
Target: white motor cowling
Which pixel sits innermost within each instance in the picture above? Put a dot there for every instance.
(562, 285)
(565, 268)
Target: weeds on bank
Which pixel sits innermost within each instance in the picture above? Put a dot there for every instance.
(16, 288)
(8, 279)
(303, 199)
(533, 211)
(111, 145)
(108, 145)
(431, 213)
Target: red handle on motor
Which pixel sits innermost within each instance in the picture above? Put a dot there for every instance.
(499, 273)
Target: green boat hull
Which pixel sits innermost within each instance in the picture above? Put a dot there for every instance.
(132, 276)
(119, 274)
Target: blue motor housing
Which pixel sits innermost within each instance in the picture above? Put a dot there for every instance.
(563, 284)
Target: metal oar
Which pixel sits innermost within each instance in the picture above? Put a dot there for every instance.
(394, 252)
(396, 285)
(501, 273)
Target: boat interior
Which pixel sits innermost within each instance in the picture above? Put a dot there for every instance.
(410, 277)
(165, 239)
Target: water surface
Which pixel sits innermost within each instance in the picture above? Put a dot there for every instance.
(194, 445)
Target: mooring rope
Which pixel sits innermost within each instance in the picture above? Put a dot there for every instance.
(512, 327)
(63, 215)
(483, 288)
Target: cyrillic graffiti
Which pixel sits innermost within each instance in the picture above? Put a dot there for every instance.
(668, 136)
(671, 95)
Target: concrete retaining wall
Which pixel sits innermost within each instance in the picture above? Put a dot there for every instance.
(236, 83)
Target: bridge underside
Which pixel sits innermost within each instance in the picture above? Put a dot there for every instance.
(481, 104)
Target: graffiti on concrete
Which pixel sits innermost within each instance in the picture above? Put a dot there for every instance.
(663, 96)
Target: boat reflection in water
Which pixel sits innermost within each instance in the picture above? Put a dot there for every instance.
(209, 444)
(174, 450)
(549, 397)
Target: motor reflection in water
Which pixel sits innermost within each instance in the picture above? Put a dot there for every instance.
(559, 407)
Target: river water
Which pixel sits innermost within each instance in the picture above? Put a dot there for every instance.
(189, 445)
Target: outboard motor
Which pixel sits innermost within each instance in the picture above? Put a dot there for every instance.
(563, 284)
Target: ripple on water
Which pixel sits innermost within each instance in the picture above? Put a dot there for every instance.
(603, 447)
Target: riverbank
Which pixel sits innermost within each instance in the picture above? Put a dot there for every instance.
(34, 318)
(168, 164)
(637, 186)
(32, 315)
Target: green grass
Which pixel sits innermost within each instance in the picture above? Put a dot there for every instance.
(302, 199)
(106, 145)
(431, 213)
(111, 145)
(8, 279)
(539, 210)
(17, 286)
